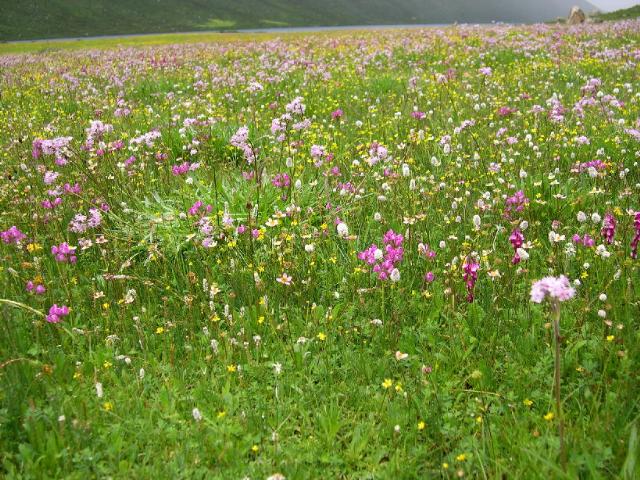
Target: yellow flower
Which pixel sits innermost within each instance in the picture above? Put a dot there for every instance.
(387, 383)
(108, 406)
(421, 425)
(255, 449)
(231, 368)
(549, 416)
(527, 402)
(221, 414)
(322, 337)
(462, 457)
(610, 338)
(34, 247)
(160, 330)
(107, 364)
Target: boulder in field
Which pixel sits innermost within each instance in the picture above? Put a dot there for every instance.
(576, 16)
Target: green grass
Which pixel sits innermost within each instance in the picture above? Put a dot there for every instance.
(339, 374)
(622, 14)
(38, 19)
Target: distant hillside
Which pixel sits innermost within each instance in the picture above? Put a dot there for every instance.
(30, 19)
(625, 13)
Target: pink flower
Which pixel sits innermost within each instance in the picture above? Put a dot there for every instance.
(556, 288)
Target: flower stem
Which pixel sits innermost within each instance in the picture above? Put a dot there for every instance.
(556, 330)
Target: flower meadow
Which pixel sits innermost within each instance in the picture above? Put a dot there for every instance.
(390, 254)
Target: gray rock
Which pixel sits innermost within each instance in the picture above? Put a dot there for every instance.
(576, 16)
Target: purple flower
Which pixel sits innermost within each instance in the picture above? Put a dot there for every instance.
(12, 235)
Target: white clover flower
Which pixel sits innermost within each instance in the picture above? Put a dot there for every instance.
(395, 275)
(342, 229)
(197, 416)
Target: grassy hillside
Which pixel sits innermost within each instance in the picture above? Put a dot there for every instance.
(30, 19)
(626, 13)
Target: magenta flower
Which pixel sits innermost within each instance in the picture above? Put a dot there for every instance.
(636, 236)
(56, 313)
(470, 276)
(32, 287)
(337, 114)
(517, 240)
(281, 180)
(556, 288)
(516, 203)
(384, 262)
(64, 253)
(608, 228)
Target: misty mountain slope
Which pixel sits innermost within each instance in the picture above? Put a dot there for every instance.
(27, 19)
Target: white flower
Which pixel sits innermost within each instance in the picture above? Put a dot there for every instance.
(602, 314)
(601, 250)
(556, 237)
(99, 391)
(442, 244)
(141, 373)
(378, 254)
(582, 217)
(277, 368)
(405, 170)
(570, 249)
(477, 221)
(377, 217)
(197, 416)
(342, 229)
(309, 247)
(395, 275)
(523, 254)
(401, 356)
(596, 218)
(603, 297)
(276, 476)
